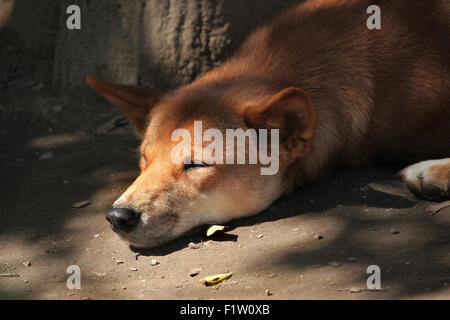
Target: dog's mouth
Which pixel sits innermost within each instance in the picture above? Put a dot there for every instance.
(114, 228)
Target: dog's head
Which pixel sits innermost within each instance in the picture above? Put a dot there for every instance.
(172, 196)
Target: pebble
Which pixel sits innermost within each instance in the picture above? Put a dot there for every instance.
(318, 236)
(195, 271)
(47, 156)
(194, 245)
(268, 293)
(26, 263)
(260, 235)
(154, 262)
(133, 269)
(100, 274)
(334, 264)
(352, 259)
(395, 231)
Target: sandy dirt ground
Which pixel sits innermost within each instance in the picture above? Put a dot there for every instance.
(364, 217)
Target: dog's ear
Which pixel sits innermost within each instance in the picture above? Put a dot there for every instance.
(135, 102)
(292, 112)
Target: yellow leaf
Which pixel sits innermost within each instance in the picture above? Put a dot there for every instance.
(213, 229)
(211, 280)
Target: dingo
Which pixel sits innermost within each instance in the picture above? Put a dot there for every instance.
(339, 93)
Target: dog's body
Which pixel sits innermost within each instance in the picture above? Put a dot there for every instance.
(339, 93)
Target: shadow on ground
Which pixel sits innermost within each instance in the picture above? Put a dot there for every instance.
(364, 216)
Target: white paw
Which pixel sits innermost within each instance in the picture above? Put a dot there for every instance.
(428, 179)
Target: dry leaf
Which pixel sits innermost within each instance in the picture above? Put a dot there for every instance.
(213, 229)
(212, 280)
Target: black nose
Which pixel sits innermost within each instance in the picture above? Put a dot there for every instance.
(122, 219)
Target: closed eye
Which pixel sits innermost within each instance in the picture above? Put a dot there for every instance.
(193, 166)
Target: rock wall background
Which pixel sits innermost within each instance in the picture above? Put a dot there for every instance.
(161, 43)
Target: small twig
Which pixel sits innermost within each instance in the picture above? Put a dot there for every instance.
(11, 275)
(435, 208)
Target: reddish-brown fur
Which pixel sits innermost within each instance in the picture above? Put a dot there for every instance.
(360, 95)
(443, 172)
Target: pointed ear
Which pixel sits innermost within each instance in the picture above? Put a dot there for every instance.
(292, 112)
(135, 102)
